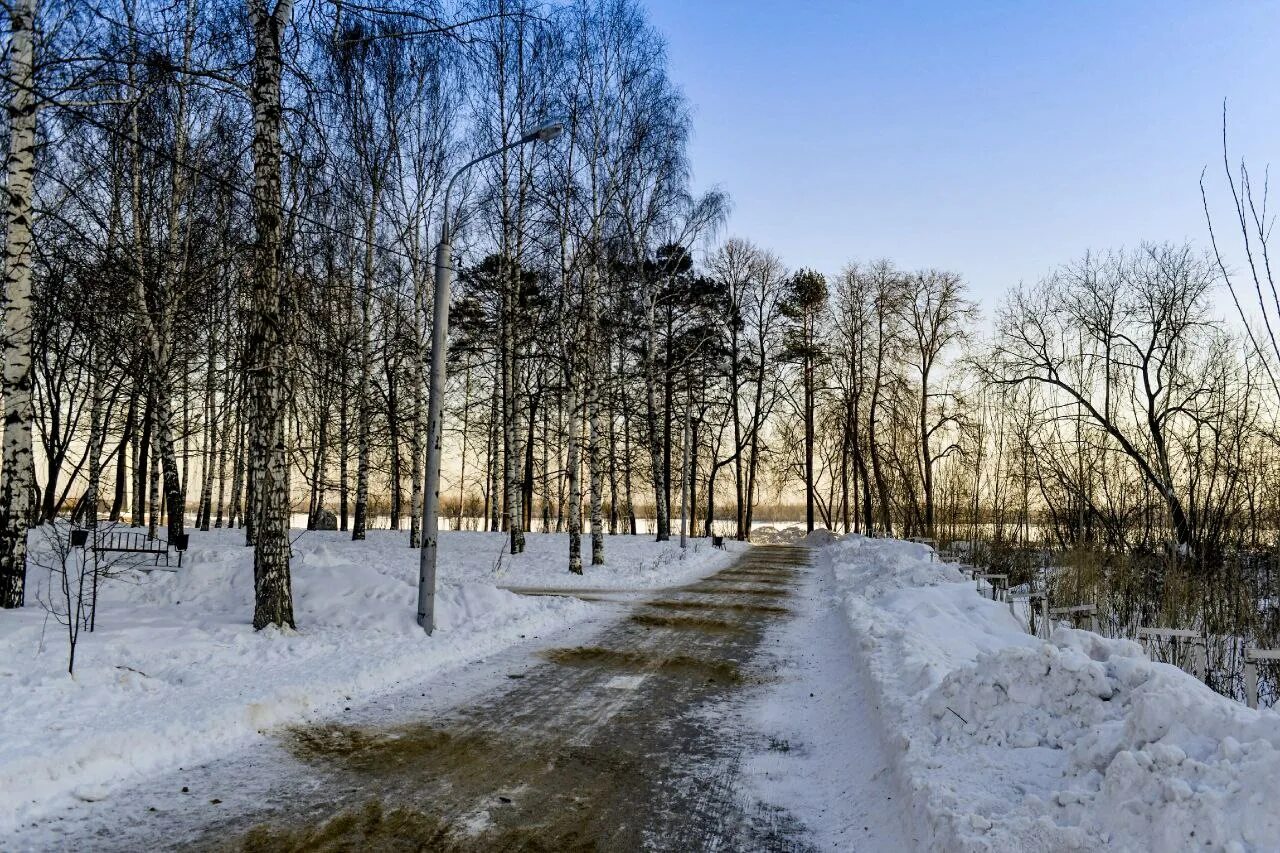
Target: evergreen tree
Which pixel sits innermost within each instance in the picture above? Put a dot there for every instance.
(803, 306)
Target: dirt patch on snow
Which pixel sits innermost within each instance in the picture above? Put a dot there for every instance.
(687, 623)
(718, 671)
(772, 609)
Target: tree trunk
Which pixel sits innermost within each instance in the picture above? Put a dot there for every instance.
(235, 512)
(227, 436)
(926, 457)
(626, 463)
(846, 450)
(494, 503)
(344, 454)
(168, 459)
(273, 597)
(740, 515)
(418, 400)
(573, 474)
(753, 458)
(122, 458)
(466, 431)
(393, 437)
(97, 430)
(210, 449)
(614, 503)
(684, 478)
(318, 468)
(546, 470)
(808, 431)
(690, 468)
(364, 409)
(153, 486)
(662, 520)
(877, 466)
(512, 517)
(596, 434)
(526, 495)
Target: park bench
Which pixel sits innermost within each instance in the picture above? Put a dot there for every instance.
(134, 542)
(718, 542)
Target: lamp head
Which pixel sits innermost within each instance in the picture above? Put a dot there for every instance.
(545, 131)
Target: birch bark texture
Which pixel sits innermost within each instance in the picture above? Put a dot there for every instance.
(273, 597)
(17, 465)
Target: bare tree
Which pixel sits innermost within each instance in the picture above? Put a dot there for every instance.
(938, 315)
(1140, 380)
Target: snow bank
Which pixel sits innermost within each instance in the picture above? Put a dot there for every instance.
(1005, 742)
(175, 673)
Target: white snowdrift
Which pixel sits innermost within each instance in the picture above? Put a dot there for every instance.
(175, 673)
(1005, 742)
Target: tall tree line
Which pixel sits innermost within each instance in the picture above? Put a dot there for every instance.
(219, 224)
(217, 240)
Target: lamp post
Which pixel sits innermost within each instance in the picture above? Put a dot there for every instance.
(544, 132)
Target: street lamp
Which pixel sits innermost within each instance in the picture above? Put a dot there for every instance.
(544, 132)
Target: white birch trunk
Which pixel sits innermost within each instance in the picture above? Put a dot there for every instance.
(365, 413)
(17, 465)
(684, 479)
(572, 466)
(661, 514)
(96, 436)
(596, 434)
(418, 441)
(273, 596)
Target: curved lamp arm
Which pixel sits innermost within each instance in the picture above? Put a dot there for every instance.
(547, 131)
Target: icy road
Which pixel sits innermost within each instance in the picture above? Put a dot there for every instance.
(723, 715)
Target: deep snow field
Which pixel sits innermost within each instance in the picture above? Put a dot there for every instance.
(175, 673)
(1001, 741)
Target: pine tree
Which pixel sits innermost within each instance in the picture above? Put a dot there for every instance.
(806, 298)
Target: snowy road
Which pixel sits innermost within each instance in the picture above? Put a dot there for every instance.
(726, 715)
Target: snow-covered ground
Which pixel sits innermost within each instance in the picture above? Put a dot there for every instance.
(174, 672)
(820, 755)
(1001, 741)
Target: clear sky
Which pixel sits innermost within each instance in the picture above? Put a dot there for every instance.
(993, 138)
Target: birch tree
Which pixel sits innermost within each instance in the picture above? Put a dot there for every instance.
(17, 465)
(265, 356)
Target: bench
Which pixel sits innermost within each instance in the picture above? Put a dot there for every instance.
(134, 542)
(718, 542)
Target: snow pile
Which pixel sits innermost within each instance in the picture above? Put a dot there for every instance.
(1005, 742)
(175, 673)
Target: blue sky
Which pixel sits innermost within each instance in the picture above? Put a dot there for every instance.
(996, 139)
